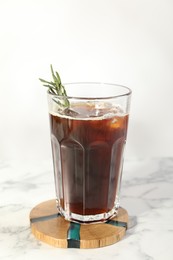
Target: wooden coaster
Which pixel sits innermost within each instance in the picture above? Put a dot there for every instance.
(48, 226)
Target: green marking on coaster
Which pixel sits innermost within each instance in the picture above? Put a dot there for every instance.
(117, 223)
(73, 235)
(44, 218)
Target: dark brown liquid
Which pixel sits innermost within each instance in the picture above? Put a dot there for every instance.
(90, 152)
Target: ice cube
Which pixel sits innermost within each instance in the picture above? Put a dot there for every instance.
(70, 112)
(108, 115)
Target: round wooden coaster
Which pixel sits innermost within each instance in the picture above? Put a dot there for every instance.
(48, 226)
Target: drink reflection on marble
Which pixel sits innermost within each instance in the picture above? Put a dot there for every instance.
(88, 140)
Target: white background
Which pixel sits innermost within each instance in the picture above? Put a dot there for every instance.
(129, 42)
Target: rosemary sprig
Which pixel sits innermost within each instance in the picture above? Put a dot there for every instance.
(55, 87)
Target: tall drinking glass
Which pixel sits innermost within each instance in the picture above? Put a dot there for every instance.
(88, 138)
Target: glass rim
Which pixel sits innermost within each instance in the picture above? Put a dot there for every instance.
(127, 93)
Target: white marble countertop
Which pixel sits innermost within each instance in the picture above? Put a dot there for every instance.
(147, 194)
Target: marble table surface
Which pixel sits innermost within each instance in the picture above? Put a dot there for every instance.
(147, 194)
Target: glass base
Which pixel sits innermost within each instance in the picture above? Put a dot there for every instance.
(88, 219)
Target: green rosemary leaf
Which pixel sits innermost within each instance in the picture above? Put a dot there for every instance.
(51, 91)
(57, 82)
(55, 87)
(45, 81)
(58, 77)
(48, 86)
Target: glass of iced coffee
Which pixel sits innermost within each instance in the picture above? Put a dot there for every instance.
(88, 137)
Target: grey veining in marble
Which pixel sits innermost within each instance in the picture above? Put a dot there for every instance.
(147, 194)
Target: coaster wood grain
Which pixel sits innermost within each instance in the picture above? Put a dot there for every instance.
(50, 227)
